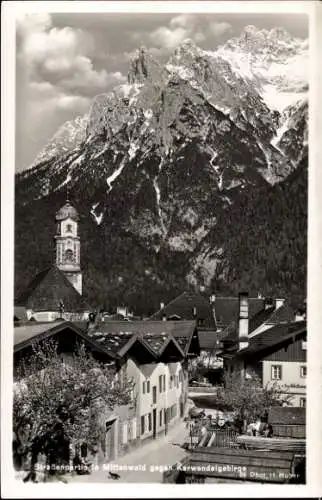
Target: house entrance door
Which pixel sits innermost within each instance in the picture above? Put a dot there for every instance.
(166, 419)
(154, 423)
(110, 440)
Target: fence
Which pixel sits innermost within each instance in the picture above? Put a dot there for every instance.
(205, 434)
(223, 438)
(202, 390)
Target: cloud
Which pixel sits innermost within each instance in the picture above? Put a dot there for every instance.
(184, 21)
(61, 56)
(219, 29)
(168, 38)
(57, 78)
(180, 28)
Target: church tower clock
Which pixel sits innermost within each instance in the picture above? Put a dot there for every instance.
(68, 245)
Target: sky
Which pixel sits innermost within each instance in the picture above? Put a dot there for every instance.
(65, 59)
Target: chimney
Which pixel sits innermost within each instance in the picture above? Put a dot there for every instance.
(243, 320)
(194, 312)
(212, 298)
(268, 303)
(300, 315)
(279, 303)
(164, 316)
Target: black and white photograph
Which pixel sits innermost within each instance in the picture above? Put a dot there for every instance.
(160, 255)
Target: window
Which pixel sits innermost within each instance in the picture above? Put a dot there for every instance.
(171, 382)
(160, 420)
(148, 386)
(303, 371)
(160, 383)
(303, 402)
(142, 425)
(83, 450)
(150, 421)
(276, 372)
(143, 387)
(69, 256)
(163, 382)
(69, 228)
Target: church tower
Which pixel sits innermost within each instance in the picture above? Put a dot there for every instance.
(68, 245)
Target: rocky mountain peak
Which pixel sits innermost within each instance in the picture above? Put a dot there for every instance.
(258, 41)
(171, 161)
(142, 67)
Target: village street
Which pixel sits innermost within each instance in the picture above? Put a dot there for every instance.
(163, 451)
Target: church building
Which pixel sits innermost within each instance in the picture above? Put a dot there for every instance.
(56, 292)
(68, 245)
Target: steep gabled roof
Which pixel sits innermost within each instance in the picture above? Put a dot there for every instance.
(209, 341)
(182, 308)
(269, 316)
(227, 309)
(283, 314)
(31, 332)
(270, 339)
(154, 335)
(47, 289)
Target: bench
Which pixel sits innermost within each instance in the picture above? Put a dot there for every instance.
(233, 464)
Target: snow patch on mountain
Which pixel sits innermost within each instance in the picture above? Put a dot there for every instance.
(132, 150)
(98, 218)
(273, 60)
(115, 175)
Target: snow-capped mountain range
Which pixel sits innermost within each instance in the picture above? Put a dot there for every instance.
(166, 158)
(272, 62)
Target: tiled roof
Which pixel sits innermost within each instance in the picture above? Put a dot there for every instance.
(24, 335)
(47, 289)
(283, 314)
(155, 335)
(260, 318)
(111, 342)
(176, 328)
(273, 337)
(208, 340)
(227, 309)
(183, 341)
(183, 305)
(32, 329)
(231, 332)
(268, 316)
(288, 415)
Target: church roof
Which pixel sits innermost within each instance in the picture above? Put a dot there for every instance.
(47, 289)
(67, 211)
